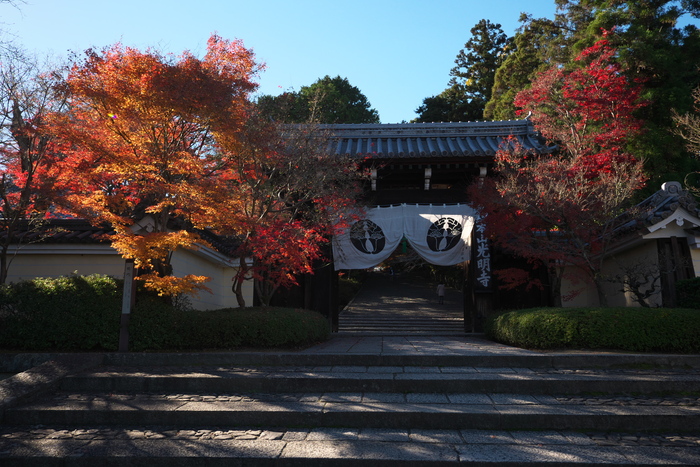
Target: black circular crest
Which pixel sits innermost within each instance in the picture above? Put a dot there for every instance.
(367, 237)
(444, 234)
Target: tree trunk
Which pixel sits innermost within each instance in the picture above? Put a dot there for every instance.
(3, 264)
(602, 298)
(555, 279)
(238, 282)
(265, 291)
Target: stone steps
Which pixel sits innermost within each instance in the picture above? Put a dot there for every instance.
(343, 447)
(387, 379)
(357, 323)
(355, 410)
(295, 409)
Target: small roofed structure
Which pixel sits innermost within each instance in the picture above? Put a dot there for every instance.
(655, 248)
(60, 247)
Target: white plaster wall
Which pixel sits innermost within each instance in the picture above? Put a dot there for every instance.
(221, 296)
(30, 266)
(695, 256)
(47, 260)
(643, 254)
(577, 290)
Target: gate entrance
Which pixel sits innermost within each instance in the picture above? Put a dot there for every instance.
(414, 165)
(402, 304)
(440, 235)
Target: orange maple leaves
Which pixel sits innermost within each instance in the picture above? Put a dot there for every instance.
(144, 134)
(153, 138)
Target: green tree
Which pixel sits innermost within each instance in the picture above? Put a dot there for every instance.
(472, 77)
(652, 49)
(538, 44)
(445, 107)
(657, 51)
(531, 52)
(328, 100)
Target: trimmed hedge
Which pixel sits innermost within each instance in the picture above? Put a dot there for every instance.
(630, 329)
(156, 326)
(66, 313)
(82, 313)
(688, 293)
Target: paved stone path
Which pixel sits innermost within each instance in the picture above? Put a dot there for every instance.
(381, 360)
(455, 437)
(475, 345)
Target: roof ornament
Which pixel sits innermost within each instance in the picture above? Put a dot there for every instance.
(672, 188)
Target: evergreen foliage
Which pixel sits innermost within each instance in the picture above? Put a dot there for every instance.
(67, 313)
(688, 291)
(472, 78)
(653, 49)
(155, 325)
(328, 100)
(82, 313)
(628, 329)
(531, 52)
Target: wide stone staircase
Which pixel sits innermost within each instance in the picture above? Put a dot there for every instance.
(398, 305)
(399, 324)
(301, 409)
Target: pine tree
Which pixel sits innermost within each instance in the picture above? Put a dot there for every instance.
(472, 77)
(328, 100)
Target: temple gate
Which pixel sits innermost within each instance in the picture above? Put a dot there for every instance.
(418, 190)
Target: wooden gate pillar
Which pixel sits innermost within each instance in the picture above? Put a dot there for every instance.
(322, 293)
(478, 300)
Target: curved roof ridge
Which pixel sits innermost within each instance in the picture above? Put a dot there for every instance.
(433, 140)
(497, 128)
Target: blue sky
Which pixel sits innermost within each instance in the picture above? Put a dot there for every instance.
(397, 52)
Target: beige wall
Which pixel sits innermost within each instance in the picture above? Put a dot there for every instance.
(60, 260)
(695, 256)
(644, 252)
(577, 290)
(643, 257)
(222, 296)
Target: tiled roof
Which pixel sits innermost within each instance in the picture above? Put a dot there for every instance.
(61, 231)
(80, 231)
(664, 202)
(657, 208)
(413, 140)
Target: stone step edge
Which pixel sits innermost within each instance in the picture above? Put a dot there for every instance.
(518, 359)
(356, 383)
(378, 415)
(157, 453)
(545, 360)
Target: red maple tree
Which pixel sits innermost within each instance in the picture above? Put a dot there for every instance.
(558, 208)
(288, 193)
(144, 133)
(27, 147)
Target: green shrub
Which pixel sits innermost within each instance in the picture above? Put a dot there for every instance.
(65, 313)
(156, 327)
(688, 291)
(83, 313)
(629, 329)
(348, 286)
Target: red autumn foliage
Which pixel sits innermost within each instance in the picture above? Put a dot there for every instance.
(558, 208)
(288, 193)
(142, 139)
(27, 147)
